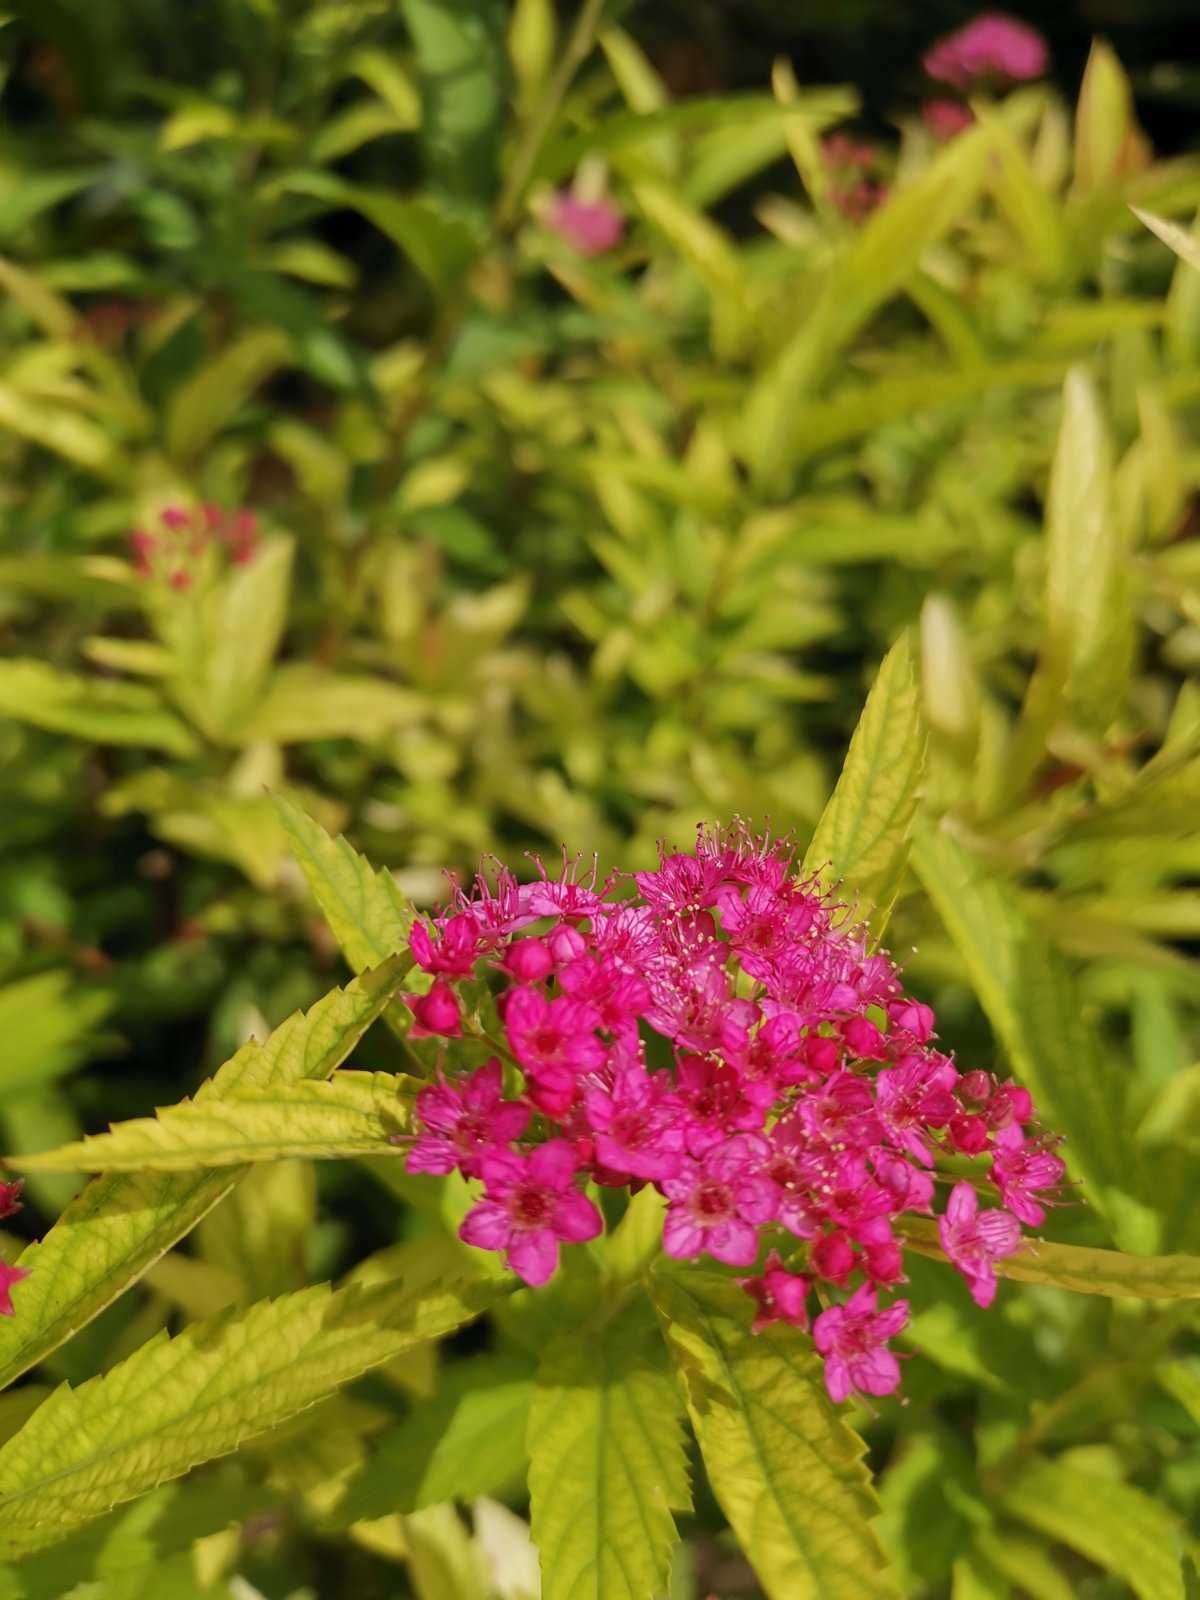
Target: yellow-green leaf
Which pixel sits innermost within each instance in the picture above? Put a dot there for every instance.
(607, 1463)
(1185, 245)
(121, 1223)
(1114, 1525)
(353, 1115)
(786, 1468)
(863, 836)
(1026, 990)
(224, 640)
(873, 267)
(366, 912)
(1080, 1268)
(94, 709)
(1089, 621)
(201, 407)
(177, 1402)
(304, 702)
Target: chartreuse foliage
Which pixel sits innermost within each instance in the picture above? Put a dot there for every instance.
(568, 549)
(177, 1402)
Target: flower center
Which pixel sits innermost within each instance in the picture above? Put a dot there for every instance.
(531, 1206)
(713, 1202)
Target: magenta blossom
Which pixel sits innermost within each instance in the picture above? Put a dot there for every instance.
(718, 1203)
(590, 227)
(10, 1197)
(719, 1029)
(993, 46)
(780, 1296)
(8, 1277)
(973, 1239)
(468, 1120)
(531, 1203)
(1020, 1174)
(946, 119)
(853, 1339)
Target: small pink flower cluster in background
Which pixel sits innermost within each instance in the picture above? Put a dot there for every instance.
(183, 534)
(851, 165)
(590, 227)
(10, 1204)
(992, 46)
(992, 49)
(729, 1037)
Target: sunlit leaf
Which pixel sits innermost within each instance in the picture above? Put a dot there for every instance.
(607, 1464)
(98, 710)
(786, 1468)
(862, 839)
(121, 1224)
(177, 1402)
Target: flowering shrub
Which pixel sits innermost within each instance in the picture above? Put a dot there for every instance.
(805, 1106)
(598, 434)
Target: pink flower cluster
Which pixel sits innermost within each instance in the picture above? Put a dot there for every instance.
(728, 1036)
(854, 187)
(991, 46)
(10, 1203)
(182, 535)
(590, 227)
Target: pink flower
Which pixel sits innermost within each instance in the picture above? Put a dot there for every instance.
(717, 1203)
(973, 1239)
(637, 1133)
(467, 1121)
(10, 1197)
(992, 46)
(454, 951)
(8, 1277)
(713, 1105)
(946, 119)
(853, 1339)
(528, 960)
(554, 1041)
(1019, 1175)
(915, 1096)
(781, 1296)
(590, 227)
(435, 1013)
(531, 1203)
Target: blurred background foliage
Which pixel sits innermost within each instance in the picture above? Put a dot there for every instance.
(567, 548)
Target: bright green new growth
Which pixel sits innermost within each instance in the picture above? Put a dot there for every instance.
(181, 1401)
(119, 1226)
(607, 1460)
(355, 1115)
(786, 1468)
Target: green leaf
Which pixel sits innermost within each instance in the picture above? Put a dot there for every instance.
(468, 1440)
(440, 242)
(461, 57)
(1106, 133)
(356, 1114)
(94, 709)
(1183, 242)
(787, 1470)
(607, 1463)
(66, 432)
(1027, 992)
(226, 638)
(1089, 620)
(121, 1224)
(303, 702)
(1080, 1268)
(45, 1022)
(1114, 1525)
(864, 832)
(199, 408)
(177, 1402)
(366, 912)
(872, 268)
